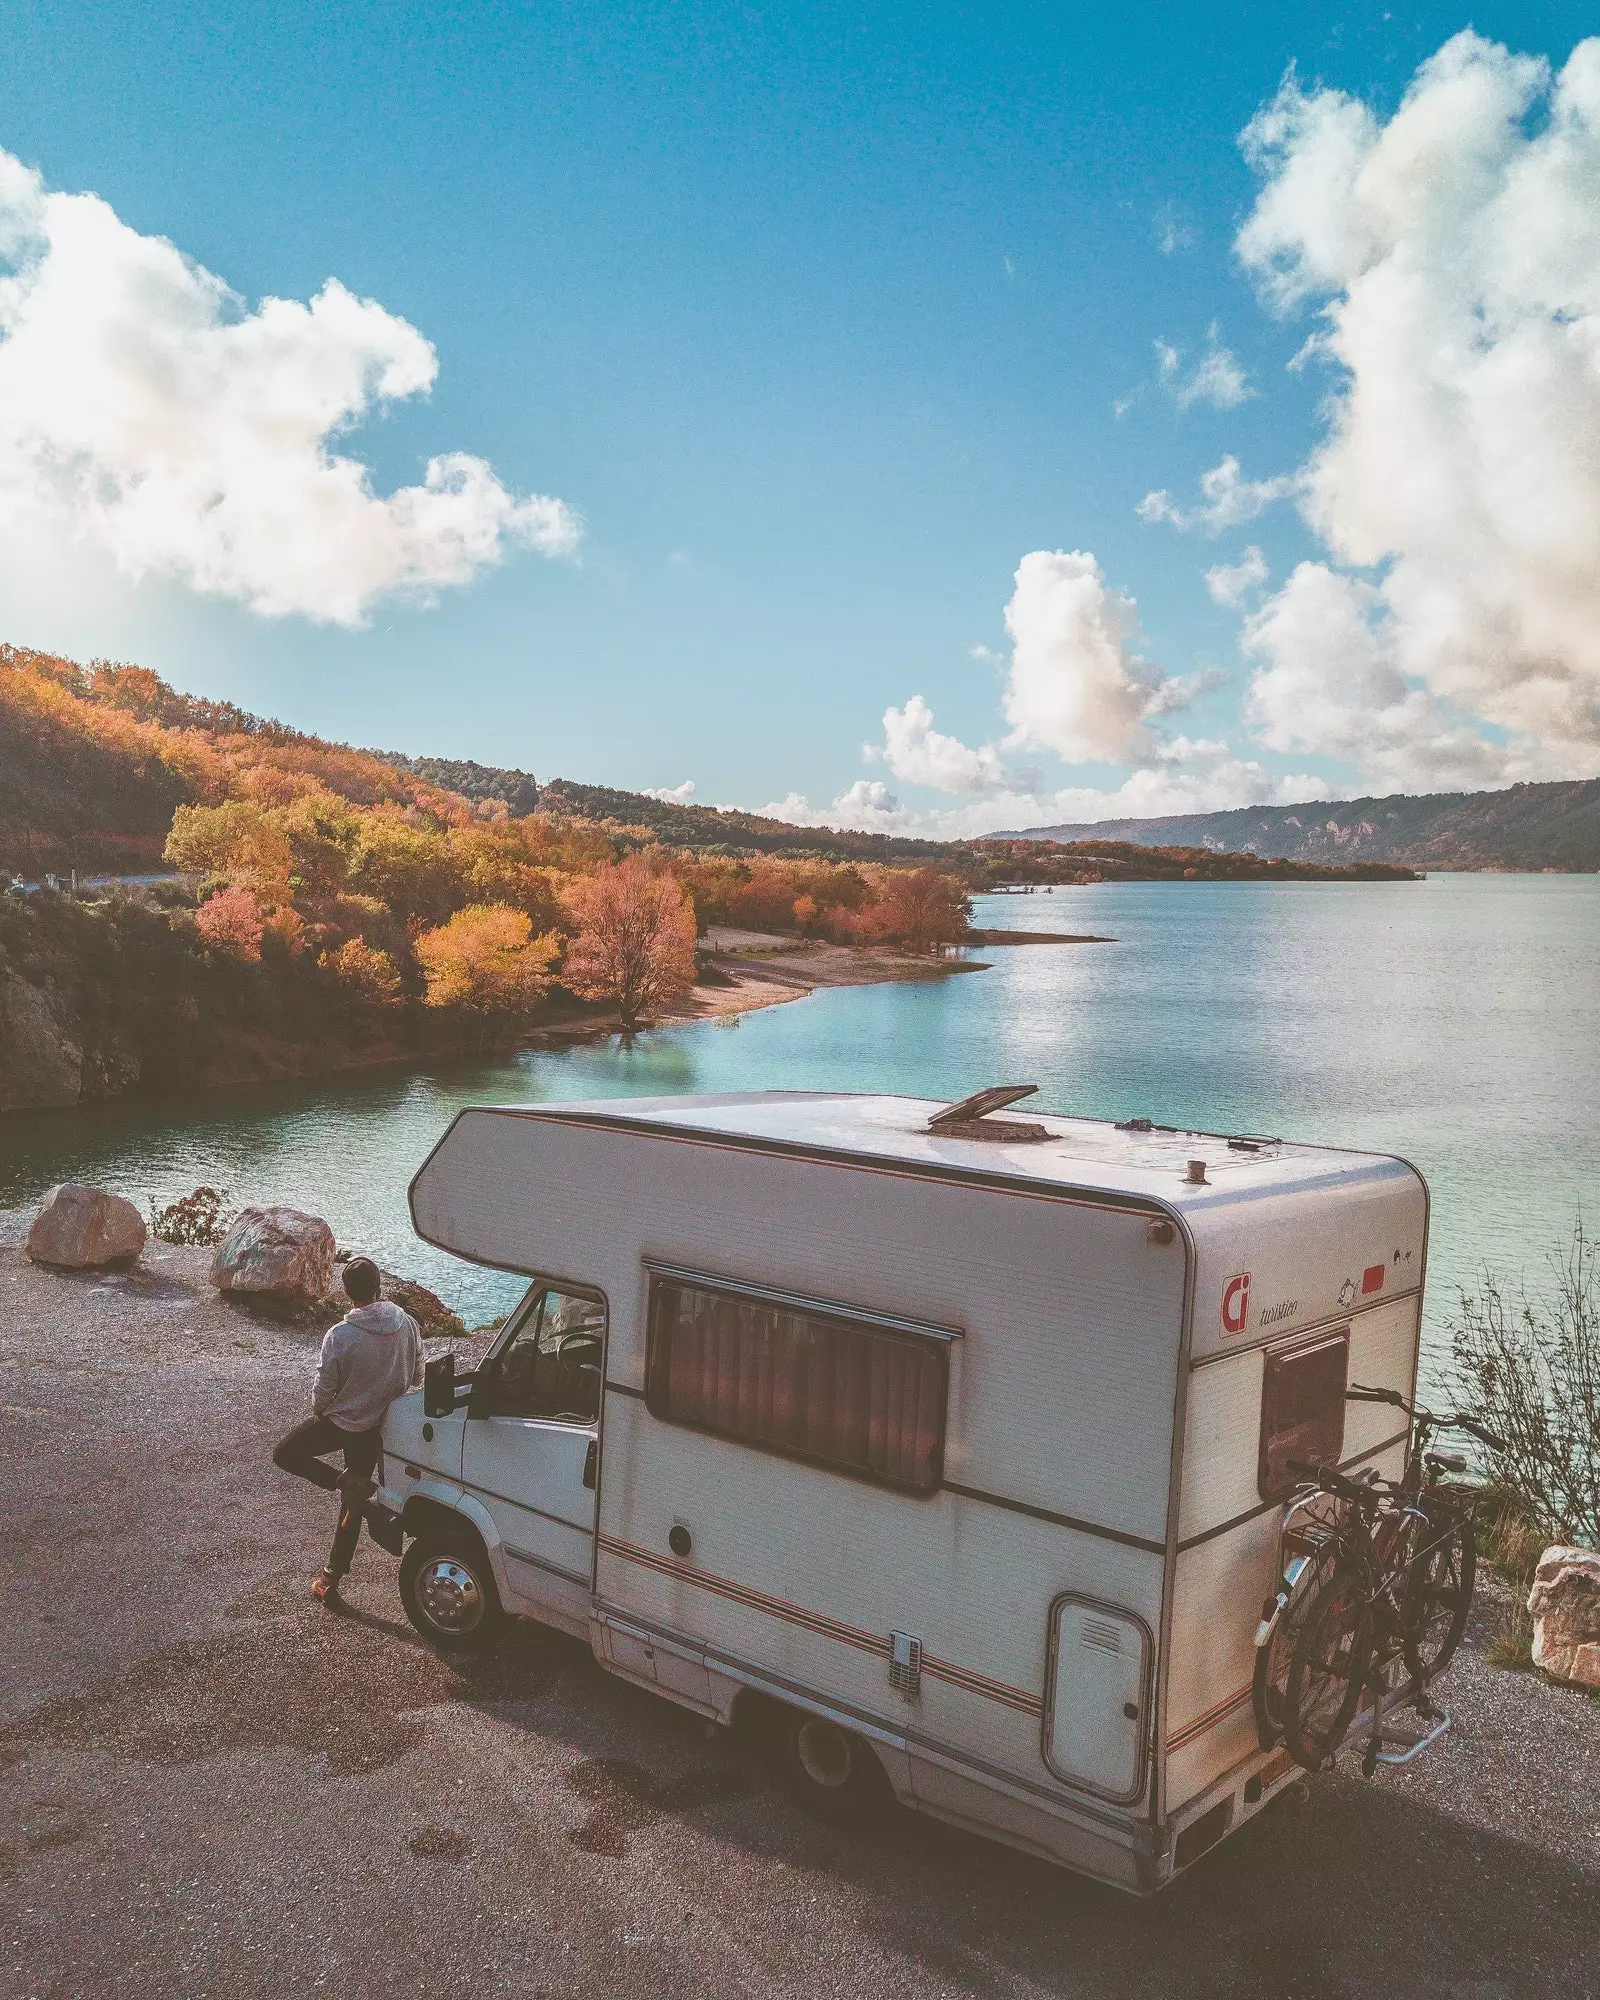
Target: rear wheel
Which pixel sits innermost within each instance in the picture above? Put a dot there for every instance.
(1275, 1656)
(448, 1590)
(1328, 1668)
(831, 1772)
(1439, 1589)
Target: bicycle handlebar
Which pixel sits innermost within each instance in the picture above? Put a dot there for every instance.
(1332, 1480)
(1458, 1420)
(1359, 1393)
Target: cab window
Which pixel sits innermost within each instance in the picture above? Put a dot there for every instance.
(549, 1360)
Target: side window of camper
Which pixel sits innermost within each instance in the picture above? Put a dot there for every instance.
(1302, 1411)
(548, 1363)
(807, 1383)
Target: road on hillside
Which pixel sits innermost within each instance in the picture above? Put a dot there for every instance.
(209, 1786)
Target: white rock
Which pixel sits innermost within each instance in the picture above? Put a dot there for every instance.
(275, 1250)
(1565, 1602)
(81, 1227)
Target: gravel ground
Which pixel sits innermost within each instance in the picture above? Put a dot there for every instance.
(208, 1785)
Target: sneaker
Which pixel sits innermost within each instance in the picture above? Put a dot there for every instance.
(325, 1588)
(356, 1490)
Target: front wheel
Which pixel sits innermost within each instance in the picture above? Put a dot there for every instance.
(1439, 1590)
(448, 1590)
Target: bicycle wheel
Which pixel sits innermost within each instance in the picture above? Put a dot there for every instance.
(1275, 1653)
(1444, 1567)
(1328, 1668)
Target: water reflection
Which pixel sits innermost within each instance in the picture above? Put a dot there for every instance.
(1455, 1021)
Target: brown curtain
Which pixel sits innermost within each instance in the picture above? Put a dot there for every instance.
(820, 1387)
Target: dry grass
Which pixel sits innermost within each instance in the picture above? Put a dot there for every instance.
(1510, 1543)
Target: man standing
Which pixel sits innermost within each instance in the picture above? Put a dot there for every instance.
(373, 1355)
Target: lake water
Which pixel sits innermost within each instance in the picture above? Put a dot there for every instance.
(1455, 1021)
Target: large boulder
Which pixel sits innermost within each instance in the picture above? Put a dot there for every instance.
(82, 1227)
(276, 1252)
(1565, 1602)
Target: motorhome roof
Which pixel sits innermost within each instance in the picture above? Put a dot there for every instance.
(1134, 1158)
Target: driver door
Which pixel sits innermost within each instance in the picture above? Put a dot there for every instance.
(531, 1445)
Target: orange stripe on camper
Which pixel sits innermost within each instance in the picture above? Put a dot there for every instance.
(743, 1594)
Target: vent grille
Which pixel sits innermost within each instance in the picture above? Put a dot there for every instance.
(1102, 1634)
(905, 1665)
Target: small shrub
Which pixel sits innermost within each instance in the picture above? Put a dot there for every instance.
(1530, 1371)
(200, 1217)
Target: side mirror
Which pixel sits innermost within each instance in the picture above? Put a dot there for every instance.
(439, 1386)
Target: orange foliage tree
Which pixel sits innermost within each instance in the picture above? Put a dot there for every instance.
(231, 921)
(487, 959)
(635, 939)
(369, 975)
(920, 909)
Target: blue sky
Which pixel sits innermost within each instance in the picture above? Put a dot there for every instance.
(822, 320)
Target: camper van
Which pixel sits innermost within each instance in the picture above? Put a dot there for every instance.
(957, 1442)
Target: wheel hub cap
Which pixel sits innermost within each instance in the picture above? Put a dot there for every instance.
(450, 1595)
(824, 1752)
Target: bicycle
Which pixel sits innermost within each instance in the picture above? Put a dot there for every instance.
(1388, 1586)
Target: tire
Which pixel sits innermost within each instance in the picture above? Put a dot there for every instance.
(1270, 1687)
(1329, 1667)
(1439, 1590)
(448, 1590)
(832, 1773)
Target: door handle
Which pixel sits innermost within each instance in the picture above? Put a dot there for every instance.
(591, 1463)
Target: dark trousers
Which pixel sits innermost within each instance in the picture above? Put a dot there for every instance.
(304, 1452)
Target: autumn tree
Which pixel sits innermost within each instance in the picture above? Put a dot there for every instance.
(367, 974)
(231, 921)
(920, 909)
(487, 959)
(635, 939)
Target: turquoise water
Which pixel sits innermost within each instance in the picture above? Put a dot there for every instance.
(1455, 1021)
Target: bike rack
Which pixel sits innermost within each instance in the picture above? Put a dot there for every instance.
(1396, 1745)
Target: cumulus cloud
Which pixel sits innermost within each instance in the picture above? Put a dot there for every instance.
(670, 795)
(1232, 584)
(918, 754)
(147, 412)
(1077, 684)
(1227, 499)
(1216, 378)
(1188, 775)
(1453, 252)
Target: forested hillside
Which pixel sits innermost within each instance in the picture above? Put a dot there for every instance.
(1525, 828)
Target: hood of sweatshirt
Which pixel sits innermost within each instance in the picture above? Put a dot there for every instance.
(382, 1316)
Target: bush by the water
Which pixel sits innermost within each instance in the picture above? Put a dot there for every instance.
(1528, 1366)
(199, 1217)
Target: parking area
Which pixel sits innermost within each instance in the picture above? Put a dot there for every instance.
(209, 1785)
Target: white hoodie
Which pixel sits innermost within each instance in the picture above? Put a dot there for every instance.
(373, 1355)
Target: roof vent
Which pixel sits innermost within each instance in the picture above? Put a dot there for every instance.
(969, 1119)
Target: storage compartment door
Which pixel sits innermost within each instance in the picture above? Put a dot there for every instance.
(1096, 1723)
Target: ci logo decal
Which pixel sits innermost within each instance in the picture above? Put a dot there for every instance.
(1236, 1303)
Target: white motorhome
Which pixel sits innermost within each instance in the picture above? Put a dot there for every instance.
(962, 1439)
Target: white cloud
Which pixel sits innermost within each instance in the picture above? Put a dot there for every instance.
(1077, 685)
(670, 795)
(918, 754)
(146, 412)
(1228, 499)
(1172, 232)
(1454, 252)
(1326, 681)
(1216, 378)
(1189, 776)
(1231, 583)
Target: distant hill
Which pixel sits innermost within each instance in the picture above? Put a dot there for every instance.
(1525, 829)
